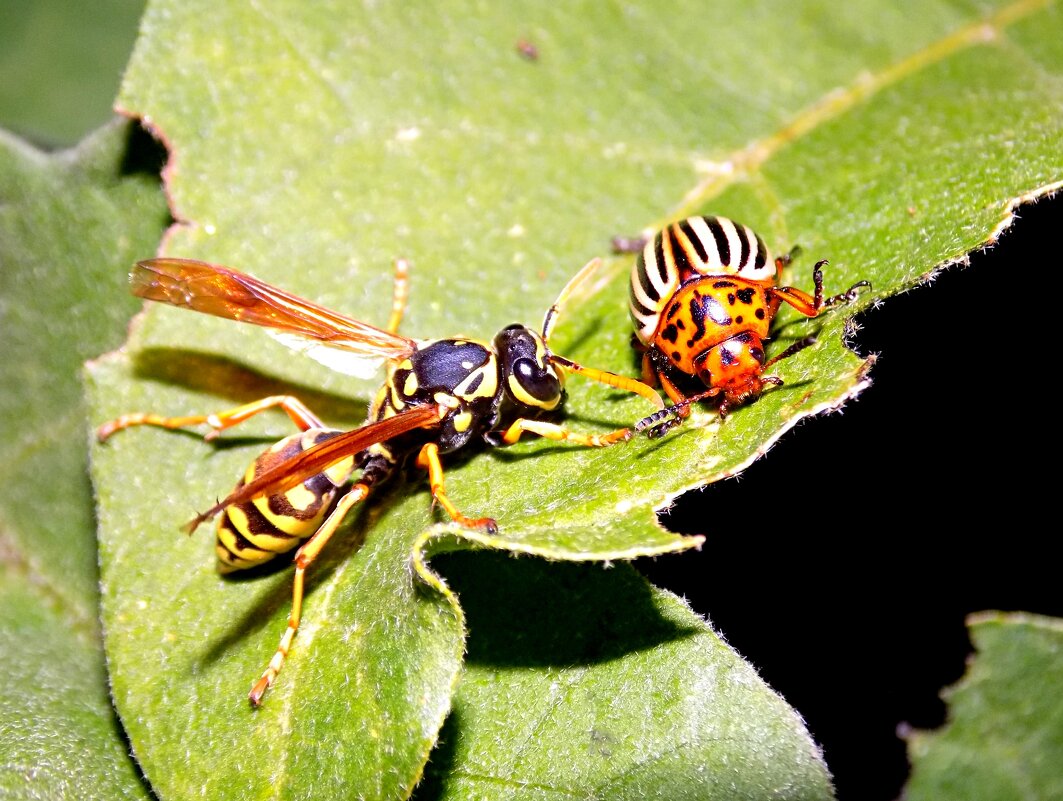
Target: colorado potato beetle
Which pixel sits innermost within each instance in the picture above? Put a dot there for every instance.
(702, 296)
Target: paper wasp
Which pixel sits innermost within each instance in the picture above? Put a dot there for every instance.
(439, 395)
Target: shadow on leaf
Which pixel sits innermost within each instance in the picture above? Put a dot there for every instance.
(534, 613)
(207, 373)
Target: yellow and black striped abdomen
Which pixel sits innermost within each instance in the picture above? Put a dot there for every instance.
(688, 249)
(253, 532)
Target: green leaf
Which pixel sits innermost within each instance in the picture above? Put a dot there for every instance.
(1004, 738)
(611, 689)
(311, 145)
(60, 61)
(68, 225)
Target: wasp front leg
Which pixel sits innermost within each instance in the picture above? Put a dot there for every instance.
(560, 434)
(428, 459)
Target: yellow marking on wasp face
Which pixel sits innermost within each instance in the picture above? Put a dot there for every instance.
(541, 356)
(410, 385)
(517, 391)
(462, 421)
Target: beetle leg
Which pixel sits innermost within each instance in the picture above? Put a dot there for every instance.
(796, 347)
(812, 305)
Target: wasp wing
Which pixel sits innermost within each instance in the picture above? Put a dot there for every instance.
(352, 346)
(323, 455)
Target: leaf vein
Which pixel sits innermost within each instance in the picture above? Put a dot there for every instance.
(742, 163)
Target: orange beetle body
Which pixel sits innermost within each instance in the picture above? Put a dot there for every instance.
(702, 297)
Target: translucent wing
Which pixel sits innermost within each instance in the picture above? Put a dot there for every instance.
(325, 454)
(352, 346)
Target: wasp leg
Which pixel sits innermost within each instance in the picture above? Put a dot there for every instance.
(559, 434)
(428, 459)
(400, 294)
(219, 421)
(303, 558)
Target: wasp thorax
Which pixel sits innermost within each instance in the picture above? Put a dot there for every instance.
(529, 377)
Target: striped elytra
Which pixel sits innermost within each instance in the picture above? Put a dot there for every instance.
(687, 249)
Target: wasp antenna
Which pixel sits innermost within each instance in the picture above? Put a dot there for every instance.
(551, 313)
(610, 379)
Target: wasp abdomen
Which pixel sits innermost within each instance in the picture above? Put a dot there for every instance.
(253, 532)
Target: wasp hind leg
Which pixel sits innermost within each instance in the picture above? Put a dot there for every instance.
(295, 409)
(306, 554)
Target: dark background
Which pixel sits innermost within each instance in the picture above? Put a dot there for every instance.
(850, 596)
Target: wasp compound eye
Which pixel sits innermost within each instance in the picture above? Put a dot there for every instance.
(540, 384)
